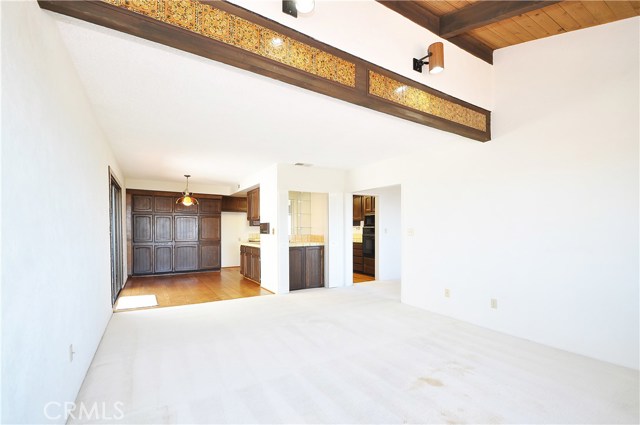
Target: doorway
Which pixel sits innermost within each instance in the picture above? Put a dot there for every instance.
(364, 238)
(115, 236)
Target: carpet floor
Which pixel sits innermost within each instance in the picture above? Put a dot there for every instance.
(345, 355)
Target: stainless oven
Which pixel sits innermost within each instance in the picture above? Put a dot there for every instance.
(369, 220)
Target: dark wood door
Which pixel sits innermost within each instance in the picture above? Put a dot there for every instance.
(185, 257)
(163, 256)
(210, 206)
(186, 228)
(296, 268)
(142, 230)
(163, 228)
(163, 204)
(369, 204)
(210, 228)
(209, 256)
(142, 203)
(314, 266)
(143, 259)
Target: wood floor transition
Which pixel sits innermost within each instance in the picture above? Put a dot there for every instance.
(194, 288)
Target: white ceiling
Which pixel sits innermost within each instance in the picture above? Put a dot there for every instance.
(167, 113)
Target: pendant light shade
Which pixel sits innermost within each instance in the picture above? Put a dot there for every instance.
(187, 198)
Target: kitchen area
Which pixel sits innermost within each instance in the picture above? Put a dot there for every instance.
(364, 238)
(307, 227)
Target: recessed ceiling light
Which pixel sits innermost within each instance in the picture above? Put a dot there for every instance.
(302, 164)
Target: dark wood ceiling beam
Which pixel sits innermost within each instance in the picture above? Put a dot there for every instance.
(415, 13)
(484, 13)
(473, 46)
(428, 20)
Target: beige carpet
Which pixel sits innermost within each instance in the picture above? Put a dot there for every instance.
(348, 355)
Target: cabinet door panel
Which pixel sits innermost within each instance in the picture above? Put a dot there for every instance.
(314, 267)
(142, 231)
(210, 206)
(357, 208)
(163, 258)
(141, 203)
(163, 228)
(209, 256)
(210, 228)
(163, 204)
(185, 257)
(186, 229)
(296, 268)
(143, 259)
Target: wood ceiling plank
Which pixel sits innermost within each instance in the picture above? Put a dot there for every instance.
(562, 18)
(436, 7)
(622, 9)
(600, 11)
(489, 38)
(519, 32)
(541, 18)
(484, 13)
(636, 6)
(531, 26)
(510, 38)
(578, 12)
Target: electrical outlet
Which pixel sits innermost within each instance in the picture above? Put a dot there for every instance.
(410, 231)
(71, 352)
(494, 303)
(447, 293)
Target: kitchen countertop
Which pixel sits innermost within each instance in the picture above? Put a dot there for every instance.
(252, 244)
(295, 244)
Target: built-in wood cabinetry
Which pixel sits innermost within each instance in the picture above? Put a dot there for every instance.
(253, 207)
(358, 216)
(167, 237)
(250, 264)
(306, 267)
(358, 259)
(234, 204)
(369, 266)
(369, 204)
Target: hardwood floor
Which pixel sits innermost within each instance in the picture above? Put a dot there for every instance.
(359, 278)
(194, 288)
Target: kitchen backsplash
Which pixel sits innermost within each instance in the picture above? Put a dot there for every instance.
(357, 232)
(306, 238)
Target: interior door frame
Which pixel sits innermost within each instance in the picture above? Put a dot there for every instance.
(116, 243)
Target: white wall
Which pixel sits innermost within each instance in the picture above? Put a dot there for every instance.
(545, 216)
(235, 229)
(56, 285)
(388, 233)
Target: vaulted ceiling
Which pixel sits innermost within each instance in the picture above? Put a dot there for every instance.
(480, 27)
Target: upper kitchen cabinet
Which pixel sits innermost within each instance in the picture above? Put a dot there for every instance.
(358, 215)
(253, 207)
(369, 204)
(234, 204)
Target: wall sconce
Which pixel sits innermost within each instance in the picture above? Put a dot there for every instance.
(292, 7)
(187, 198)
(435, 53)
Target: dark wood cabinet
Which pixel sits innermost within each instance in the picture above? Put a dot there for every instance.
(234, 204)
(167, 237)
(358, 215)
(250, 264)
(370, 266)
(253, 207)
(306, 267)
(369, 204)
(358, 259)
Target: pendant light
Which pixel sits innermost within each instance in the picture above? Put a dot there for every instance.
(187, 198)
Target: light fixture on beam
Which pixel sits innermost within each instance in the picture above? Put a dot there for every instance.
(187, 198)
(435, 53)
(293, 7)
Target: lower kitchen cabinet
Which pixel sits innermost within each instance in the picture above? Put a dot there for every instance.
(370, 266)
(306, 267)
(358, 259)
(250, 264)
